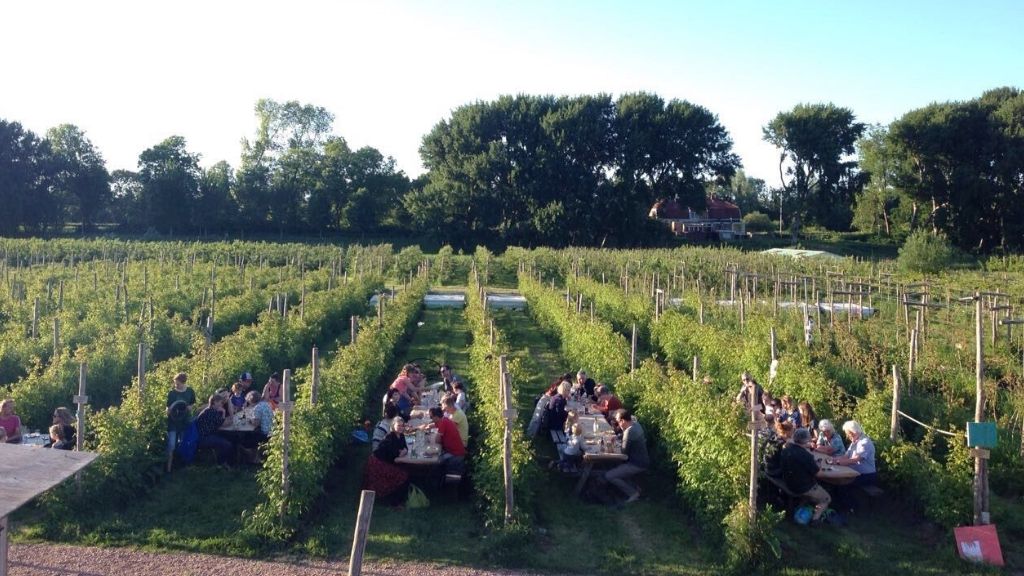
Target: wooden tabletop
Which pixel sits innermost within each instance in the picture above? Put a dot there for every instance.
(237, 424)
(26, 472)
(834, 473)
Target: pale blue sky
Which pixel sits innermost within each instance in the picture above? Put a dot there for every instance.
(133, 73)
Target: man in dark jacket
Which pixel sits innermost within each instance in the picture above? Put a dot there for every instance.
(799, 470)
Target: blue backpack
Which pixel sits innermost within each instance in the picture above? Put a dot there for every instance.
(186, 450)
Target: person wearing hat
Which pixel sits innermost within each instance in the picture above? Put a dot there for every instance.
(799, 472)
(180, 400)
(245, 380)
(750, 391)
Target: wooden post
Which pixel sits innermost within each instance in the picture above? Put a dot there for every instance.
(355, 560)
(380, 310)
(142, 370)
(81, 400)
(315, 387)
(696, 368)
(354, 328)
(491, 340)
(894, 420)
(56, 337)
(632, 351)
(911, 358)
(35, 318)
(505, 389)
(286, 429)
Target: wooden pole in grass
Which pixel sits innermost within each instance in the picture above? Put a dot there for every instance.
(505, 389)
(81, 400)
(56, 337)
(354, 329)
(286, 429)
(894, 419)
(632, 351)
(142, 369)
(35, 318)
(355, 560)
(755, 425)
(696, 368)
(314, 390)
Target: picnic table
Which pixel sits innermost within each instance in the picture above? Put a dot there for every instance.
(595, 452)
(835, 474)
(34, 440)
(423, 450)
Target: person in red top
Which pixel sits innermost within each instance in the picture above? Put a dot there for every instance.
(453, 449)
(607, 403)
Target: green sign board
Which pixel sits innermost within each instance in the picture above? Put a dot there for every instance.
(981, 434)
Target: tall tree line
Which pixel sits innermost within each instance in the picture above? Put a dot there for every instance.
(540, 169)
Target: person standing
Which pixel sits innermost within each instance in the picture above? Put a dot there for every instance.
(180, 400)
(799, 471)
(750, 394)
(634, 446)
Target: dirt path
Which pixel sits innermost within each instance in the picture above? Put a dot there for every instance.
(62, 560)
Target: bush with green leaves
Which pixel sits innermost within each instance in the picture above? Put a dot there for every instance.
(928, 253)
(757, 222)
(488, 421)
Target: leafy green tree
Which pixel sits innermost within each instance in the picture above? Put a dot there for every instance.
(215, 208)
(963, 159)
(125, 206)
(25, 178)
(881, 207)
(169, 175)
(815, 142)
(79, 171)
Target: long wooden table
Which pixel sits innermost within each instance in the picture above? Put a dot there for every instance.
(596, 428)
(424, 452)
(836, 474)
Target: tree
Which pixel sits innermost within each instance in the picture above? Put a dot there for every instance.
(815, 142)
(169, 176)
(215, 208)
(125, 206)
(25, 178)
(881, 207)
(964, 160)
(79, 171)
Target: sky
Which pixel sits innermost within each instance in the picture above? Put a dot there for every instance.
(131, 74)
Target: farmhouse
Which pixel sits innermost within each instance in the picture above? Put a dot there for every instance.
(720, 219)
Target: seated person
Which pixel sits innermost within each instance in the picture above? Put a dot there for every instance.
(245, 380)
(751, 391)
(789, 412)
(58, 438)
(385, 426)
(382, 475)
(588, 384)
(225, 395)
(208, 423)
(390, 397)
(449, 378)
(272, 390)
(634, 446)
(556, 411)
(572, 455)
(860, 455)
(63, 418)
(262, 415)
(772, 447)
(808, 419)
(453, 449)
(10, 421)
(457, 416)
(406, 397)
(829, 442)
(461, 400)
(237, 397)
(553, 388)
(799, 470)
(607, 403)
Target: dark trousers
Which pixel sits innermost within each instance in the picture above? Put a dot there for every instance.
(221, 445)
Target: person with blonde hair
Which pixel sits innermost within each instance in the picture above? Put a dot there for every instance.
(58, 440)
(557, 412)
(829, 443)
(10, 421)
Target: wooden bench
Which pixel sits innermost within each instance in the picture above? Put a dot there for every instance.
(559, 438)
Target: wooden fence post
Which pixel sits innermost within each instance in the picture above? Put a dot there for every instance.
(35, 318)
(505, 389)
(632, 351)
(81, 400)
(894, 421)
(696, 368)
(314, 390)
(142, 369)
(286, 426)
(755, 425)
(354, 328)
(56, 337)
(355, 560)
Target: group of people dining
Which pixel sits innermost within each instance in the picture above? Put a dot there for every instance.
(599, 400)
(63, 434)
(792, 437)
(448, 428)
(257, 408)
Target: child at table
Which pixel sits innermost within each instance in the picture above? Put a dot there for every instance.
(58, 439)
(572, 455)
(571, 420)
